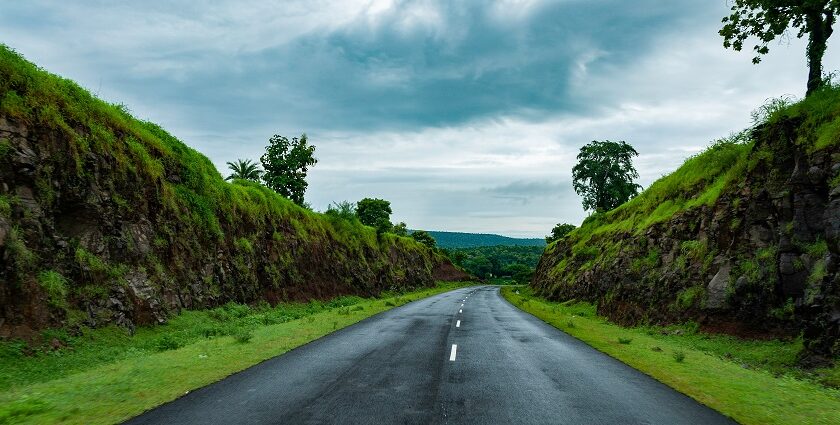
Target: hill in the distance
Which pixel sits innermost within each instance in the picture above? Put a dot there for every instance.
(471, 240)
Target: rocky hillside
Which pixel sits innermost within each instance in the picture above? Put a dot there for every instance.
(744, 238)
(108, 219)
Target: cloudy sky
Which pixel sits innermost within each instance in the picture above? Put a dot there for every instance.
(466, 115)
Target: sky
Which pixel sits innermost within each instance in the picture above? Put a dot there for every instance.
(466, 115)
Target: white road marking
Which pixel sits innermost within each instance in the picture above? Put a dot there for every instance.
(460, 311)
(458, 324)
(462, 304)
(452, 355)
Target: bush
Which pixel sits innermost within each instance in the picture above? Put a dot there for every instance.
(624, 340)
(679, 356)
(167, 342)
(243, 336)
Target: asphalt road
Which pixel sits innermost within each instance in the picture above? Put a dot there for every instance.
(401, 367)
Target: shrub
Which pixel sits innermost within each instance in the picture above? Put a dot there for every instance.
(55, 285)
(624, 340)
(243, 336)
(167, 342)
(679, 356)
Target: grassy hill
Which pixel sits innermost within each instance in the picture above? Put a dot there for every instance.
(471, 240)
(744, 238)
(108, 219)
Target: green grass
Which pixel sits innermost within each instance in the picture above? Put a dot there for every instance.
(753, 382)
(107, 376)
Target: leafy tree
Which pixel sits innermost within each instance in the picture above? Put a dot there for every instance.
(344, 210)
(400, 229)
(244, 169)
(767, 20)
(424, 237)
(559, 232)
(604, 175)
(286, 163)
(376, 213)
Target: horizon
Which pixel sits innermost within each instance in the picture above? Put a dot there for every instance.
(466, 118)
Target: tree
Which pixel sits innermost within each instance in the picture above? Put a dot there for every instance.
(604, 175)
(376, 213)
(768, 19)
(244, 169)
(424, 238)
(344, 210)
(286, 163)
(559, 232)
(400, 229)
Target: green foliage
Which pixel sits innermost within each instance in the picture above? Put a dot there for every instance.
(286, 163)
(625, 341)
(167, 342)
(517, 262)
(450, 240)
(22, 408)
(55, 286)
(244, 169)
(344, 210)
(5, 148)
(604, 175)
(767, 20)
(244, 245)
(243, 336)
(679, 356)
(424, 238)
(375, 213)
(5, 206)
(401, 229)
(687, 298)
(559, 232)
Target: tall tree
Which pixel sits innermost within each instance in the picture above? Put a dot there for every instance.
(244, 169)
(375, 213)
(559, 232)
(286, 163)
(604, 175)
(768, 19)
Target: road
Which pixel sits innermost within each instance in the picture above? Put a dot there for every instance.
(435, 361)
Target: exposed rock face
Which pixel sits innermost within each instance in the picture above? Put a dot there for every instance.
(124, 252)
(763, 259)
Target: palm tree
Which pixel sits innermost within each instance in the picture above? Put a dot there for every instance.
(245, 170)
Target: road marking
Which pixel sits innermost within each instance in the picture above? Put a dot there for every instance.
(458, 324)
(460, 311)
(452, 355)
(462, 304)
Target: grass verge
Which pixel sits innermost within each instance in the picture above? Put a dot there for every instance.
(735, 377)
(105, 376)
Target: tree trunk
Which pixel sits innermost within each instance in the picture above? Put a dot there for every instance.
(820, 25)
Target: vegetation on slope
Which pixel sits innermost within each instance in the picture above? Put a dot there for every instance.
(741, 237)
(105, 218)
(515, 262)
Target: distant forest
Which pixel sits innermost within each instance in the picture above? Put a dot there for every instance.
(450, 240)
(487, 262)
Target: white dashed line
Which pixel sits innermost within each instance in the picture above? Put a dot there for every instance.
(452, 355)
(460, 311)
(458, 324)
(462, 304)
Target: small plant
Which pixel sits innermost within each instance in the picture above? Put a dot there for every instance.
(243, 336)
(624, 341)
(679, 356)
(167, 342)
(390, 303)
(656, 349)
(570, 324)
